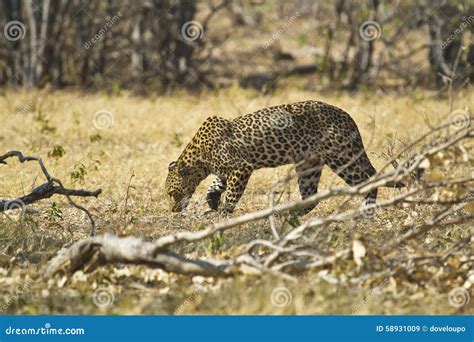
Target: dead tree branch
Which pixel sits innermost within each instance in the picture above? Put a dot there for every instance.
(53, 186)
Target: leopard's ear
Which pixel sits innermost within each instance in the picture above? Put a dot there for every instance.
(175, 165)
(172, 165)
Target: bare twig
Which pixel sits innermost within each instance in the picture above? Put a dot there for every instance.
(53, 186)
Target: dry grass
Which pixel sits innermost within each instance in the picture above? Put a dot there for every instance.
(129, 162)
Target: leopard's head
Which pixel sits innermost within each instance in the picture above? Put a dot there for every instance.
(179, 186)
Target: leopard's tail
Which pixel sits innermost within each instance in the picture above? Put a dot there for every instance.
(416, 175)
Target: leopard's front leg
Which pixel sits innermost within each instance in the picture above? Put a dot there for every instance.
(214, 192)
(236, 183)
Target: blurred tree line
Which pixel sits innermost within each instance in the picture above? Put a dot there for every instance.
(173, 43)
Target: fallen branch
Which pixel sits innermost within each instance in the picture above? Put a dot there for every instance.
(100, 250)
(53, 186)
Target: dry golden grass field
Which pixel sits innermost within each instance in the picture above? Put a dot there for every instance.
(128, 159)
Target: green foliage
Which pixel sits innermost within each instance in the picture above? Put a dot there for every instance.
(178, 139)
(293, 220)
(215, 243)
(57, 152)
(323, 66)
(303, 39)
(45, 126)
(95, 167)
(79, 173)
(116, 89)
(95, 137)
(198, 227)
(54, 214)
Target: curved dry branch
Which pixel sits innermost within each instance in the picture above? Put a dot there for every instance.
(53, 186)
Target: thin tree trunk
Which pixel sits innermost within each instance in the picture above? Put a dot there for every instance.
(31, 80)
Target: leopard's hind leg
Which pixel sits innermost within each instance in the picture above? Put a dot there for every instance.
(309, 173)
(354, 167)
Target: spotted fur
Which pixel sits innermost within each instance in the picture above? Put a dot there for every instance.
(309, 134)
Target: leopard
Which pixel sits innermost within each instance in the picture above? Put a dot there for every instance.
(309, 134)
